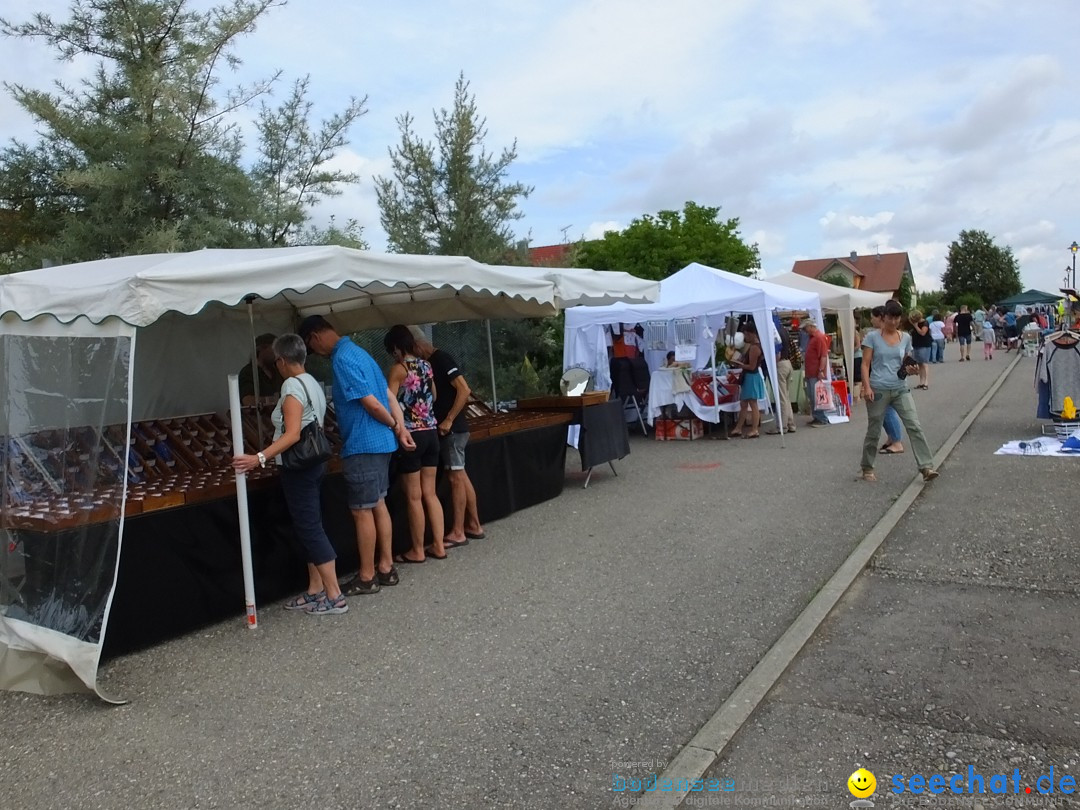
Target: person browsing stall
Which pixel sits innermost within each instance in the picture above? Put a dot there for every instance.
(412, 382)
(264, 365)
(301, 402)
(453, 395)
(372, 427)
(816, 364)
(752, 385)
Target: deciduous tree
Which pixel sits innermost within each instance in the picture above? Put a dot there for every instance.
(656, 246)
(976, 265)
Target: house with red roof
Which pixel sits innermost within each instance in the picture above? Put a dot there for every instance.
(879, 272)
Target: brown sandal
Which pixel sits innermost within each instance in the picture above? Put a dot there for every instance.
(869, 476)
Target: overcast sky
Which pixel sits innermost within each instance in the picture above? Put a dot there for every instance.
(825, 126)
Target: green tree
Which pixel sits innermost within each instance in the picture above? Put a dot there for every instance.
(656, 246)
(144, 154)
(933, 299)
(349, 235)
(837, 279)
(976, 265)
(905, 292)
(292, 173)
(451, 197)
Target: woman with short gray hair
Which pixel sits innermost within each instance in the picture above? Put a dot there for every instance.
(301, 402)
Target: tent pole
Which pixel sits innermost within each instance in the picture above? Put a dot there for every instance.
(249, 300)
(491, 365)
(242, 503)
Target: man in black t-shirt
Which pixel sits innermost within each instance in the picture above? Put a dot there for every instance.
(963, 322)
(451, 396)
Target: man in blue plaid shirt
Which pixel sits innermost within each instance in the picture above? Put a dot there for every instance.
(372, 427)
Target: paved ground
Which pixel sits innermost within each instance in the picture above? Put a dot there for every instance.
(957, 647)
(597, 630)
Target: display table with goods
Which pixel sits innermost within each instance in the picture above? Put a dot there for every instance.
(680, 391)
(180, 569)
(602, 436)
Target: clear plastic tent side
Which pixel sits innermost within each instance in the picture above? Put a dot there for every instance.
(66, 458)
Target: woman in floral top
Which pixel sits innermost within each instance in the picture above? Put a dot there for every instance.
(412, 383)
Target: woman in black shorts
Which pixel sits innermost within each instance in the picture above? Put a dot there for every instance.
(411, 381)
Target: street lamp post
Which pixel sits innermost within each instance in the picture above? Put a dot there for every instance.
(1074, 247)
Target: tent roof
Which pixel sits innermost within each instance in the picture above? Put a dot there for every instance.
(360, 287)
(575, 286)
(1031, 297)
(832, 296)
(699, 290)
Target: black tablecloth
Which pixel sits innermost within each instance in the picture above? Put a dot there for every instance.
(180, 569)
(604, 436)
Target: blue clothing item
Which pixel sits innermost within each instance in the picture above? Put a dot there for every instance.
(891, 423)
(886, 360)
(937, 351)
(1010, 319)
(753, 387)
(357, 375)
(302, 490)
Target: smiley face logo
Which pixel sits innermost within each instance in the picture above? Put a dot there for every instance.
(862, 784)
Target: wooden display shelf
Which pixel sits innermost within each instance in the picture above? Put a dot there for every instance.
(498, 424)
(561, 403)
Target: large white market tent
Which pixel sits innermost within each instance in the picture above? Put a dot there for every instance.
(841, 300)
(192, 316)
(696, 292)
(161, 293)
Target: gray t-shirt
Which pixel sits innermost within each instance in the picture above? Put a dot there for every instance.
(308, 393)
(886, 360)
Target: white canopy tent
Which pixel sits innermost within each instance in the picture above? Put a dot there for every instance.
(841, 300)
(68, 358)
(695, 292)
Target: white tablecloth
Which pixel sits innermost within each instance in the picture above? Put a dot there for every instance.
(669, 386)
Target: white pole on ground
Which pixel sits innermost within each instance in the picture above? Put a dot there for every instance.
(242, 503)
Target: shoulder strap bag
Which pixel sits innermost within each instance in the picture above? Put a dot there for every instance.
(312, 448)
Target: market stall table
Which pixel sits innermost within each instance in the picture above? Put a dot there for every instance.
(602, 438)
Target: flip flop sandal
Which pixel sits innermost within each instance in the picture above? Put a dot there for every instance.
(474, 536)
(869, 476)
(885, 451)
(455, 543)
(430, 552)
(401, 559)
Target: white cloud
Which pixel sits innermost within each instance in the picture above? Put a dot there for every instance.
(596, 230)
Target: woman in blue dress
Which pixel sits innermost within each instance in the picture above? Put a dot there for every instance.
(752, 387)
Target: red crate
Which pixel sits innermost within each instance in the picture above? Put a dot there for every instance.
(668, 430)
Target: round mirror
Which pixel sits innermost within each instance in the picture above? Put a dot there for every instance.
(575, 382)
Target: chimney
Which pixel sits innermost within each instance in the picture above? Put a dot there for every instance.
(854, 255)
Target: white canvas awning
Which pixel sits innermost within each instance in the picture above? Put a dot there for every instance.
(363, 289)
(841, 300)
(698, 292)
(575, 286)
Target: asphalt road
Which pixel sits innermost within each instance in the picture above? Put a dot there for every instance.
(586, 636)
(955, 649)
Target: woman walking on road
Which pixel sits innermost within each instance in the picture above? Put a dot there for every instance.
(921, 342)
(886, 362)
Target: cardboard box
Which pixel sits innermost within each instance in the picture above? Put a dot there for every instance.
(688, 429)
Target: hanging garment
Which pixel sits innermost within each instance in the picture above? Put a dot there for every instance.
(1060, 370)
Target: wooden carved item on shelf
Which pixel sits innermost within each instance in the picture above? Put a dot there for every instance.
(62, 479)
